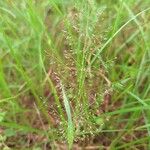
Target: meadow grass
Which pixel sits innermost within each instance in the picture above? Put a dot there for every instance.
(74, 74)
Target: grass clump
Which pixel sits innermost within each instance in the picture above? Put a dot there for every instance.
(74, 74)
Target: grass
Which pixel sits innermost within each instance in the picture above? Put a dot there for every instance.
(74, 74)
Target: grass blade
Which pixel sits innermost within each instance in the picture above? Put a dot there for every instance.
(70, 128)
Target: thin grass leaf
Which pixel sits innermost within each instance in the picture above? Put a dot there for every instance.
(70, 128)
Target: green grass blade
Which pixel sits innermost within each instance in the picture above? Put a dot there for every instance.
(70, 128)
